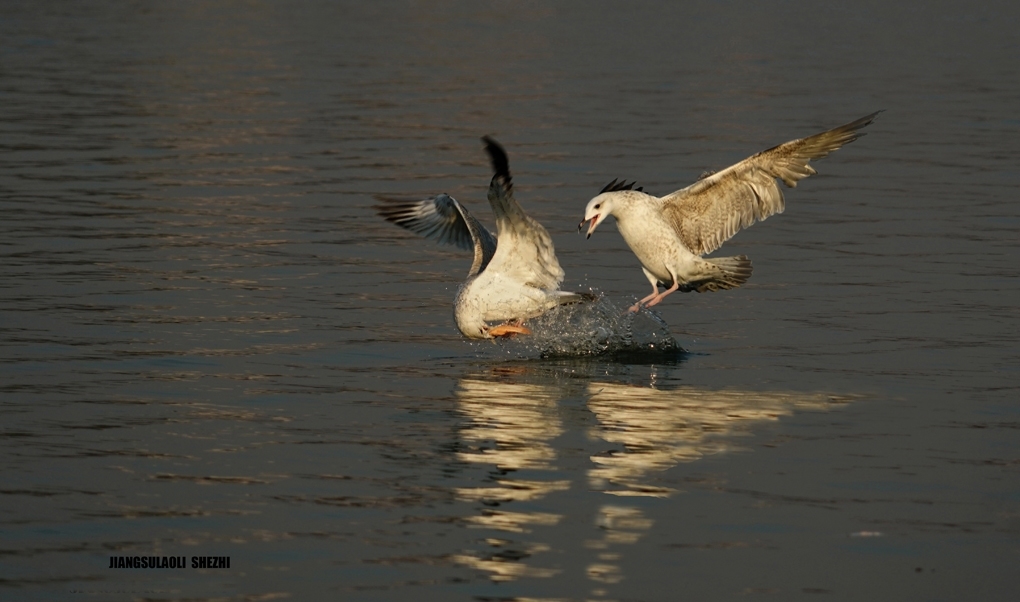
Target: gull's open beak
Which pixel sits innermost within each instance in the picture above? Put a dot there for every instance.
(581, 225)
(507, 330)
(591, 227)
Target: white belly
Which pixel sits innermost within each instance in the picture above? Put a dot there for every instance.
(497, 298)
(658, 248)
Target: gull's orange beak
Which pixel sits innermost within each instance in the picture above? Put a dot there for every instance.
(507, 330)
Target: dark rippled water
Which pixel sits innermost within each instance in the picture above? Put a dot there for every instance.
(211, 345)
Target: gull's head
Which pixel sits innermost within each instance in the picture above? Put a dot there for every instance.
(484, 331)
(473, 329)
(469, 320)
(597, 211)
(609, 198)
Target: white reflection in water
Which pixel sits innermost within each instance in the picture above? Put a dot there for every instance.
(518, 419)
(506, 566)
(654, 430)
(619, 525)
(511, 426)
(517, 522)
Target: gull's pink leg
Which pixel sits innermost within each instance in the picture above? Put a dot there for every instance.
(659, 298)
(634, 308)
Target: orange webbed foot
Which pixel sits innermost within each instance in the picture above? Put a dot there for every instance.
(508, 330)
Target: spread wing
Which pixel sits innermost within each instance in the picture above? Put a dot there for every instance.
(710, 211)
(525, 252)
(445, 221)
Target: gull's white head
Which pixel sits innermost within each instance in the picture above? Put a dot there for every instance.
(601, 207)
(474, 328)
(471, 325)
(598, 209)
(470, 317)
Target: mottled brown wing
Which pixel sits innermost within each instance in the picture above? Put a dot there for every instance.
(709, 212)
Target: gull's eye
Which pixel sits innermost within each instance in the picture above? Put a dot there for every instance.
(598, 206)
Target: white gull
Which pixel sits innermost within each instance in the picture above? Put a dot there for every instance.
(513, 277)
(670, 234)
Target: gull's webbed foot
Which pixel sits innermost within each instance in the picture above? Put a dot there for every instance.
(508, 329)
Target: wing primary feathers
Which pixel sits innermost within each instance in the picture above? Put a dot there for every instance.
(443, 220)
(500, 162)
(710, 211)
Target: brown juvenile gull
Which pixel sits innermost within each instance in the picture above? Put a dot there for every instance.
(513, 277)
(670, 234)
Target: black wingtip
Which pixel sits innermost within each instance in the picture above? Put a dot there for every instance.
(863, 121)
(500, 162)
(386, 206)
(393, 210)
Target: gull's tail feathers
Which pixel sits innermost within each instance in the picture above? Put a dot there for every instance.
(722, 273)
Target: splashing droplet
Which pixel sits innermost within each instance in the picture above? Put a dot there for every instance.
(599, 327)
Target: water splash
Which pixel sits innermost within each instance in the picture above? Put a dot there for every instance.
(599, 327)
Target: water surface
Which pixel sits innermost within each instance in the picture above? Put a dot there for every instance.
(211, 345)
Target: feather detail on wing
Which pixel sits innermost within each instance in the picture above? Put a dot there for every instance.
(525, 252)
(445, 221)
(709, 212)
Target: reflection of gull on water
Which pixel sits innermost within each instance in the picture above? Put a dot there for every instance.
(654, 429)
(619, 525)
(514, 278)
(506, 565)
(519, 421)
(511, 490)
(511, 418)
(509, 426)
(513, 522)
